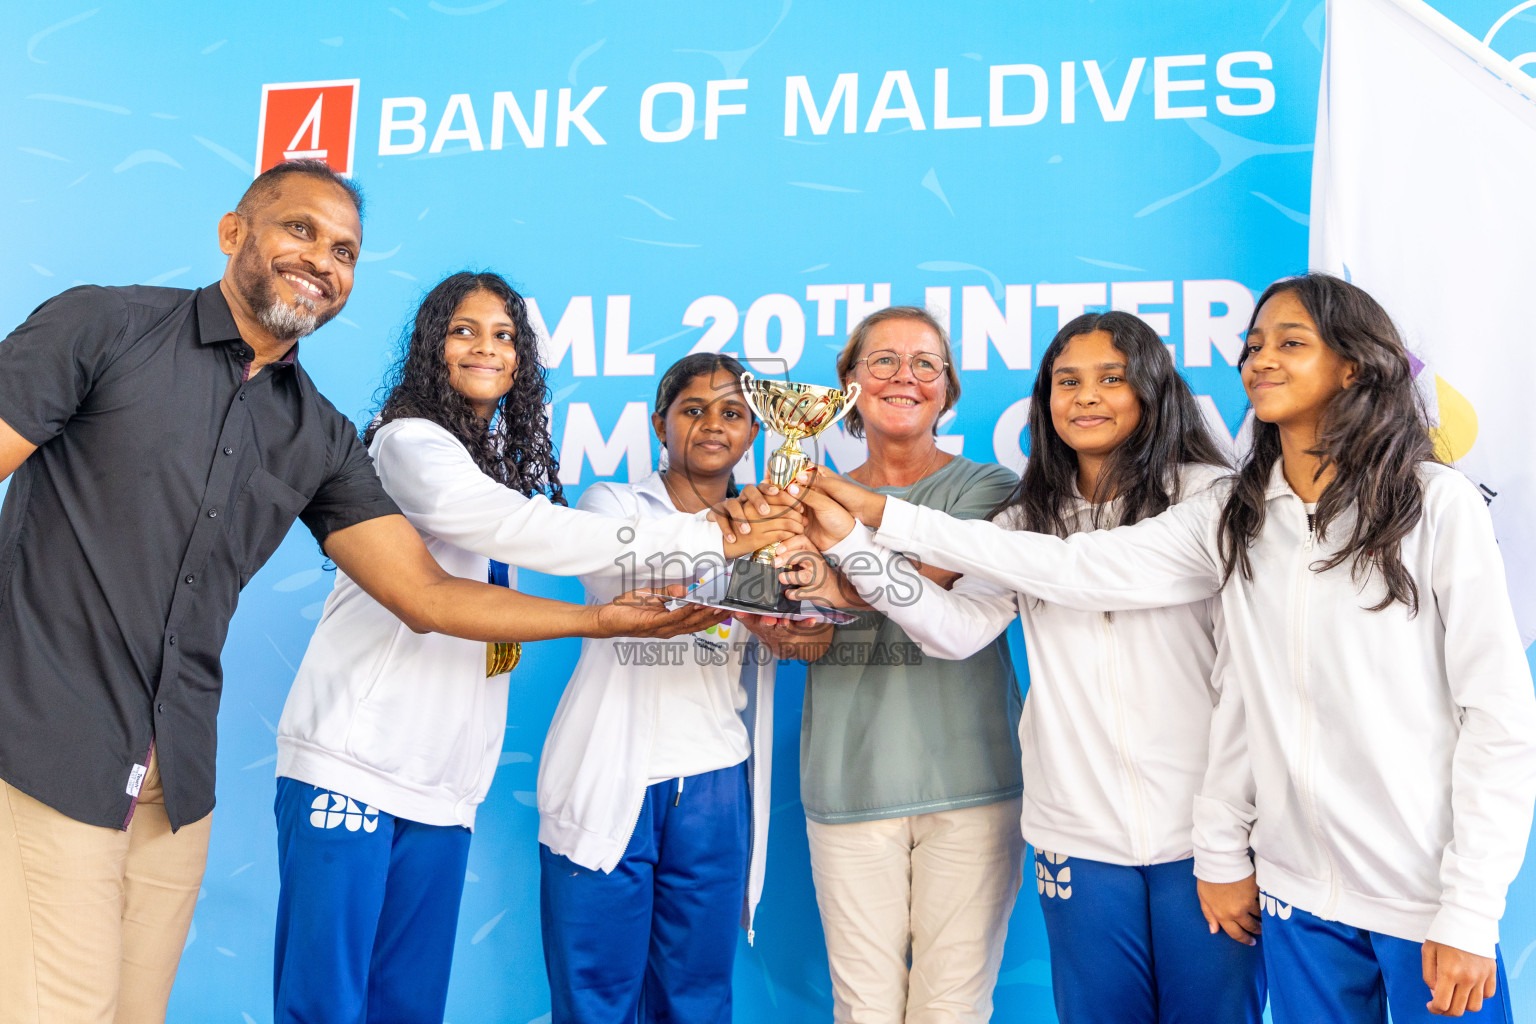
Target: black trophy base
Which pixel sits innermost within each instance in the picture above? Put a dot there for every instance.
(757, 587)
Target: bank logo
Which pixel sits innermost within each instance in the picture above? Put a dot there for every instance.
(308, 121)
(332, 810)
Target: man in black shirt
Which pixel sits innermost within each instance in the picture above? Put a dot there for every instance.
(162, 442)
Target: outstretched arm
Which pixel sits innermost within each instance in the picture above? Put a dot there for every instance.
(1166, 560)
(445, 494)
(951, 623)
(387, 558)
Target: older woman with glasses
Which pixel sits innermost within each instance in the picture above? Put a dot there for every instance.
(909, 766)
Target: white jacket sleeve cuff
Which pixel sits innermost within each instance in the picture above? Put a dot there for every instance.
(897, 523)
(1220, 839)
(1463, 929)
(949, 624)
(860, 538)
(1223, 866)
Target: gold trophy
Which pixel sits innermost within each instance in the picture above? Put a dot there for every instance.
(797, 411)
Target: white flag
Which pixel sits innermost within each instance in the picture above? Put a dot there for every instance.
(1424, 194)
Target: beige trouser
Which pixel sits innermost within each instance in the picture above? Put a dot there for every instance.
(933, 889)
(93, 920)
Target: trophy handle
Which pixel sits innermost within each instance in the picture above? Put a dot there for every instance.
(853, 391)
(746, 392)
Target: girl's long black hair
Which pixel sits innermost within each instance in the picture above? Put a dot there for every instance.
(515, 449)
(681, 373)
(1374, 434)
(1142, 470)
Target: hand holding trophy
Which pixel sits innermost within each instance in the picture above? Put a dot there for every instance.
(797, 412)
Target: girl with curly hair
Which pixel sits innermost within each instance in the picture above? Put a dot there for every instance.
(390, 738)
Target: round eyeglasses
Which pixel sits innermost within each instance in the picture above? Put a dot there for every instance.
(883, 364)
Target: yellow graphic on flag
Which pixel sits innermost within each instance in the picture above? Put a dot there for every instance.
(1457, 431)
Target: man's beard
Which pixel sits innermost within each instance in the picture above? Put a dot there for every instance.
(282, 321)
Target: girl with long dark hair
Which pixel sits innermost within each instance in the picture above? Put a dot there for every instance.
(1117, 718)
(1373, 755)
(390, 738)
(653, 783)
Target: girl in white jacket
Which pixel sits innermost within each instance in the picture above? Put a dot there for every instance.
(390, 739)
(1374, 749)
(1118, 712)
(653, 784)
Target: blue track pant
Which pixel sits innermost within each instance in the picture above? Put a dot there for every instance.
(367, 911)
(1327, 971)
(654, 939)
(1130, 946)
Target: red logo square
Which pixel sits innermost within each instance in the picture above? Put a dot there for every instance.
(308, 121)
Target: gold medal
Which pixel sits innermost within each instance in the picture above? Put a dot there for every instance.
(502, 657)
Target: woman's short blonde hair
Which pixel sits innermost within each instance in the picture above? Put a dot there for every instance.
(853, 423)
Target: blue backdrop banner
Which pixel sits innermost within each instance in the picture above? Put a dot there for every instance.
(751, 178)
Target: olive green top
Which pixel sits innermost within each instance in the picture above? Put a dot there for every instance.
(886, 731)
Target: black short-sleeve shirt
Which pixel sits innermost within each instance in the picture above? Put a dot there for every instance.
(162, 480)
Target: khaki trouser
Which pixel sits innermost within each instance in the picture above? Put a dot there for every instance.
(936, 889)
(93, 920)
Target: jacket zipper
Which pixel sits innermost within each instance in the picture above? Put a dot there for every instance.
(1138, 801)
(1304, 747)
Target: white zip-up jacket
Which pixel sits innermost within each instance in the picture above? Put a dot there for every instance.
(1380, 765)
(407, 721)
(1116, 721)
(595, 767)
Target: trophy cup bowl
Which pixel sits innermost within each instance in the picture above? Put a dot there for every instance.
(795, 411)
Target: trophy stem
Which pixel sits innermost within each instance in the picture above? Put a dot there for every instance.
(784, 465)
(795, 411)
